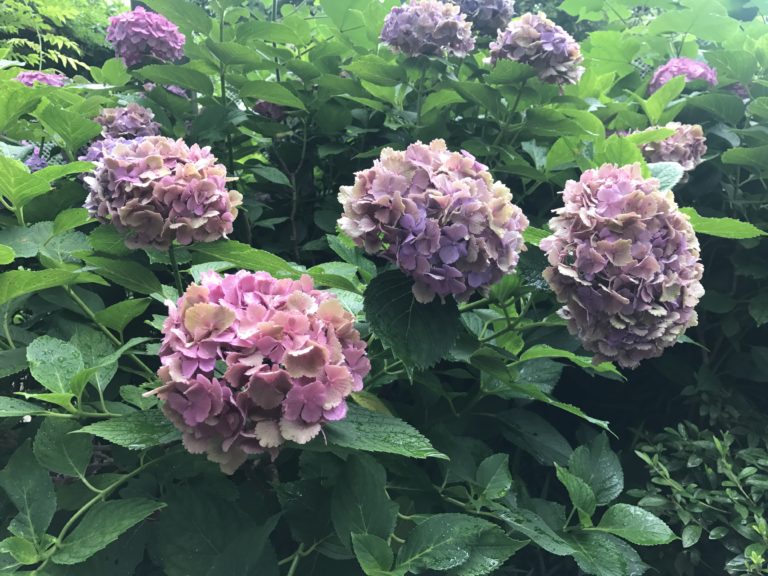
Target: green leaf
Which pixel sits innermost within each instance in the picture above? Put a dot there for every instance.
(707, 21)
(581, 495)
(617, 150)
(510, 72)
(13, 407)
(273, 32)
(119, 315)
(70, 219)
(691, 535)
(7, 255)
(376, 70)
(108, 240)
(377, 432)
(529, 431)
(726, 107)
(493, 477)
(440, 99)
(53, 363)
(649, 135)
(418, 334)
(73, 128)
(188, 17)
(235, 54)
(722, 227)
(534, 527)
(62, 452)
(636, 525)
(491, 549)
(373, 554)
(657, 102)
(96, 349)
(359, 503)
(758, 308)
(272, 174)
(481, 94)
(30, 490)
(19, 282)
(18, 185)
(22, 550)
(17, 100)
(756, 158)
(114, 72)
(243, 256)
(534, 236)
(178, 75)
(131, 275)
(135, 431)
(600, 468)
(13, 361)
(546, 351)
(27, 241)
(667, 173)
(603, 555)
(101, 525)
(271, 92)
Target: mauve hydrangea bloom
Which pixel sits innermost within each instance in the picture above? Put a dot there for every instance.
(29, 77)
(269, 110)
(428, 27)
(488, 16)
(159, 190)
(625, 264)
(35, 161)
(691, 69)
(535, 40)
(172, 88)
(127, 122)
(439, 216)
(139, 35)
(686, 146)
(289, 355)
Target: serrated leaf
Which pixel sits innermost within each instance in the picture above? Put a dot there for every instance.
(373, 554)
(493, 477)
(74, 130)
(178, 75)
(418, 334)
(246, 257)
(94, 347)
(636, 525)
(581, 495)
(135, 431)
(131, 275)
(7, 255)
(603, 555)
(22, 550)
(62, 452)
(19, 282)
(53, 363)
(13, 361)
(119, 315)
(27, 241)
(758, 308)
(101, 525)
(377, 432)
(600, 468)
(534, 527)
(722, 227)
(691, 535)
(70, 219)
(188, 17)
(667, 173)
(271, 92)
(532, 433)
(14, 408)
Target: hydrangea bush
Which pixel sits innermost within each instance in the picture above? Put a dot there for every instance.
(267, 306)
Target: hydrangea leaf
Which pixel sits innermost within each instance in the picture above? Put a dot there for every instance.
(53, 363)
(599, 467)
(722, 227)
(136, 431)
(62, 452)
(636, 525)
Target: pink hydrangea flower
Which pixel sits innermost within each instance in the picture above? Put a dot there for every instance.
(288, 356)
(691, 69)
(139, 36)
(624, 262)
(127, 122)
(158, 190)
(428, 27)
(686, 146)
(439, 216)
(30, 77)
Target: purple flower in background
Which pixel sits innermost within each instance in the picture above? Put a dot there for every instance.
(487, 16)
(158, 190)
(175, 90)
(35, 161)
(269, 110)
(29, 77)
(428, 27)
(139, 36)
(686, 146)
(691, 69)
(624, 262)
(535, 40)
(127, 122)
(291, 357)
(439, 216)
(740, 90)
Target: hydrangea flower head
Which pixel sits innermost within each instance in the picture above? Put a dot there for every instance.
(29, 77)
(488, 16)
(172, 88)
(535, 40)
(686, 146)
(139, 35)
(428, 27)
(35, 161)
(127, 122)
(439, 216)
(269, 110)
(691, 69)
(158, 190)
(289, 355)
(624, 262)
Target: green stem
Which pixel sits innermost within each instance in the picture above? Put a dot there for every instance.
(420, 96)
(295, 563)
(176, 273)
(482, 303)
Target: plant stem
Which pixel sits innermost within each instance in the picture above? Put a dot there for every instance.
(296, 558)
(482, 303)
(176, 273)
(420, 95)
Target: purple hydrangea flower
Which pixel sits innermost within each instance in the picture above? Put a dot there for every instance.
(127, 122)
(428, 27)
(29, 77)
(536, 40)
(691, 69)
(291, 353)
(488, 16)
(173, 89)
(740, 90)
(159, 190)
(439, 216)
(139, 35)
(269, 110)
(35, 161)
(624, 262)
(686, 146)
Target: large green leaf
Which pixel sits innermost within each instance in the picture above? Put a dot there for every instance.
(534, 527)
(188, 17)
(119, 315)
(53, 363)
(418, 334)
(755, 158)
(74, 129)
(243, 256)
(13, 407)
(19, 282)
(136, 431)
(373, 554)
(17, 100)
(529, 431)
(132, 275)
(377, 432)
(271, 92)
(636, 525)
(95, 347)
(581, 495)
(493, 477)
(604, 555)
(177, 75)
(599, 467)
(722, 227)
(62, 452)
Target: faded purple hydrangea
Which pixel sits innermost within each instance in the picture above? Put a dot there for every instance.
(175, 90)
(30, 77)
(288, 354)
(535, 40)
(691, 69)
(35, 161)
(428, 27)
(625, 263)
(740, 90)
(158, 190)
(686, 146)
(269, 110)
(140, 36)
(439, 216)
(127, 122)
(487, 16)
